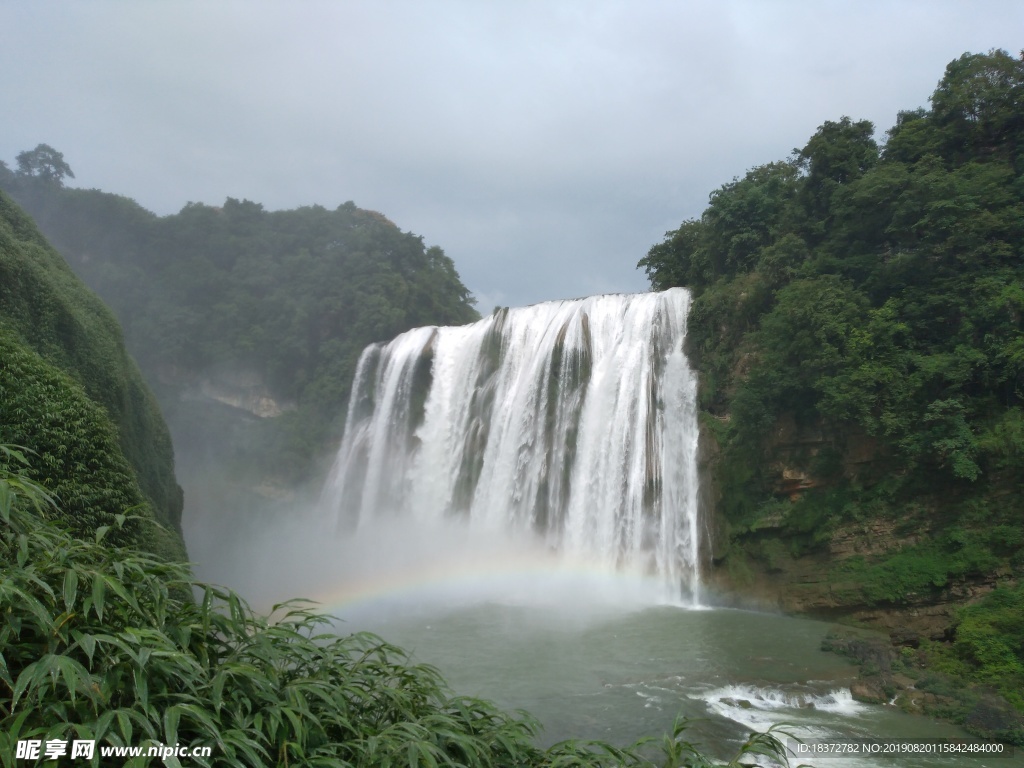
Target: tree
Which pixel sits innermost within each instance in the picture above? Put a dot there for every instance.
(6, 175)
(837, 154)
(979, 106)
(44, 163)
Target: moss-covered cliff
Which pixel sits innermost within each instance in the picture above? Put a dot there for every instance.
(70, 393)
(859, 328)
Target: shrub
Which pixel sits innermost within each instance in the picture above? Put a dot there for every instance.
(97, 642)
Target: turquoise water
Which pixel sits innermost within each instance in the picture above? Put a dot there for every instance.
(617, 674)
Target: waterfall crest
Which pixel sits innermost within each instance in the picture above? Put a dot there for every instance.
(572, 419)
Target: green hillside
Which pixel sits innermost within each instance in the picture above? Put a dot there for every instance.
(859, 327)
(282, 301)
(70, 393)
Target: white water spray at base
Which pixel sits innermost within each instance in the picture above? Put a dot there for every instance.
(575, 420)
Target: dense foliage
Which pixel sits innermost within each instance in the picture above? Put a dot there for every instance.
(76, 450)
(292, 297)
(94, 644)
(989, 643)
(69, 391)
(881, 288)
(866, 299)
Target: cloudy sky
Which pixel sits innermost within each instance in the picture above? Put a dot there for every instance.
(545, 145)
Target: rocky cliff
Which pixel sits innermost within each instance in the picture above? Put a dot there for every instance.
(905, 570)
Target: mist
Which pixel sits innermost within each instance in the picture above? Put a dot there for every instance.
(399, 568)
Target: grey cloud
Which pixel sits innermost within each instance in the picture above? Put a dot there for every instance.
(544, 146)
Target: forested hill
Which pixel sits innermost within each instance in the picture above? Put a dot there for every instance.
(859, 327)
(270, 309)
(71, 396)
(874, 286)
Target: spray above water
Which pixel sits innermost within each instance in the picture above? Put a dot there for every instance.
(573, 421)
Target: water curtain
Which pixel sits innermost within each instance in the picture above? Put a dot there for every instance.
(572, 419)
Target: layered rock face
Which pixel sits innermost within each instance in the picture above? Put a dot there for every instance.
(812, 584)
(833, 572)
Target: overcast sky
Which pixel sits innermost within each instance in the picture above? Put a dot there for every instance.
(544, 145)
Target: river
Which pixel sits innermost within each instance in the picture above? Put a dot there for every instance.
(496, 486)
(605, 670)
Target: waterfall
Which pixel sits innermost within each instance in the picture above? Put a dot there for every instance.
(572, 419)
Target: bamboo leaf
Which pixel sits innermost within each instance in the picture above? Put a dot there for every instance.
(171, 717)
(86, 642)
(99, 590)
(22, 550)
(124, 722)
(141, 687)
(70, 588)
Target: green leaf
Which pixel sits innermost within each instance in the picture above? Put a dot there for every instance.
(70, 588)
(86, 642)
(141, 688)
(171, 717)
(124, 722)
(22, 550)
(99, 590)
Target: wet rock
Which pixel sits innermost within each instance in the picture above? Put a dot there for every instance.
(874, 654)
(741, 703)
(994, 717)
(905, 637)
(869, 692)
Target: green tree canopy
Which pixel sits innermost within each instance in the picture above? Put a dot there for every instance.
(45, 164)
(872, 289)
(291, 297)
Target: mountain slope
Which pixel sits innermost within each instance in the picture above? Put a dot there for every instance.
(71, 393)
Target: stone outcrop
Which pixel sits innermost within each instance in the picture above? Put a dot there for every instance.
(242, 389)
(772, 567)
(812, 584)
(806, 456)
(237, 388)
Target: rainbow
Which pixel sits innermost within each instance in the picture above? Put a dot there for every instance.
(511, 576)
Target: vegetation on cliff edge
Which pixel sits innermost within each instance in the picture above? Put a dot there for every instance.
(859, 328)
(70, 393)
(290, 298)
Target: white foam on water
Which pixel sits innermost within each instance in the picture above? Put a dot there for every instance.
(760, 707)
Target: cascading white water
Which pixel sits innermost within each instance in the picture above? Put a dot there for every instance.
(573, 419)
